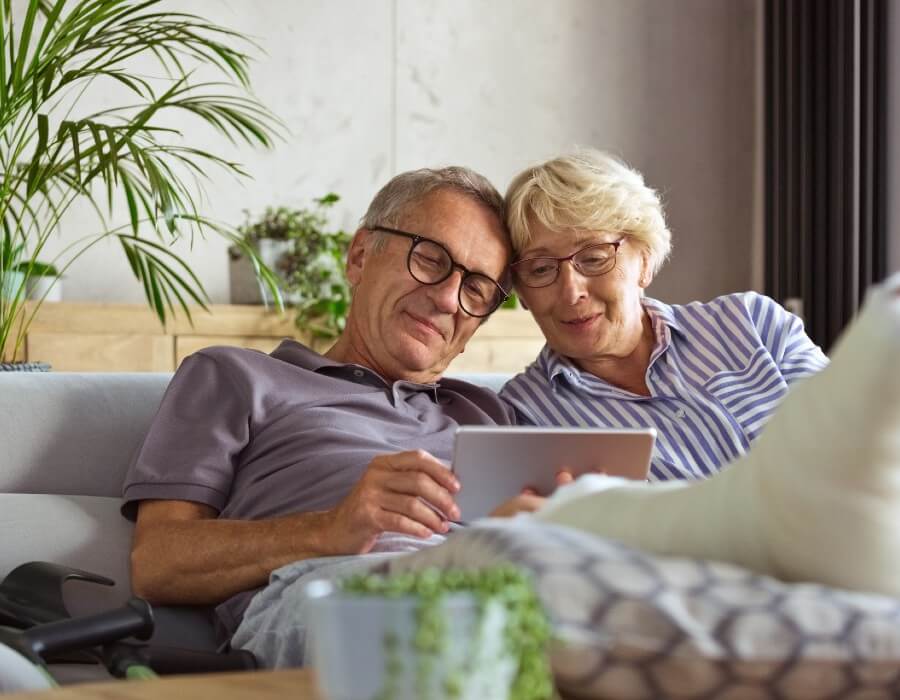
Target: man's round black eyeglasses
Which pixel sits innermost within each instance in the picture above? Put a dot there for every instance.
(429, 262)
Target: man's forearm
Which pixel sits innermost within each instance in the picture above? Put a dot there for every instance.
(207, 561)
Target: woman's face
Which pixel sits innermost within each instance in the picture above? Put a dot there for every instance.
(588, 318)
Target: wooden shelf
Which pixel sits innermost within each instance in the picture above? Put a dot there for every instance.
(89, 337)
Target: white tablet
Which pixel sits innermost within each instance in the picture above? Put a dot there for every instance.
(493, 464)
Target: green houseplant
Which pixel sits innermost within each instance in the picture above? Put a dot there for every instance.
(308, 256)
(444, 634)
(121, 159)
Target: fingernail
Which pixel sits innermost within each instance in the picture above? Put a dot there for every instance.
(456, 486)
(454, 513)
(445, 527)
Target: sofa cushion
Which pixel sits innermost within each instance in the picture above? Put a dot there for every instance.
(89, 533)
(85, 532)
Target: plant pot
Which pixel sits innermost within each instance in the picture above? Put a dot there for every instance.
(363, 648)
(245, 287)
(24, 367)
(12, 285)
(44, 287)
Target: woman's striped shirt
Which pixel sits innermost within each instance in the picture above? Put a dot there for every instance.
(717, 371)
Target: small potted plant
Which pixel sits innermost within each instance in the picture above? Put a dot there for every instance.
(437, 634)
(12, 279)
(308, 256)
(42, 280)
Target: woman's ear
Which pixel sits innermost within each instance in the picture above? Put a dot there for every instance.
(646, 270)
(359, 251)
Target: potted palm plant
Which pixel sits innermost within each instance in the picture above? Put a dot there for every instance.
(126, 158)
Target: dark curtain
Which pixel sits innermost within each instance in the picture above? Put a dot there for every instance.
(825, 101)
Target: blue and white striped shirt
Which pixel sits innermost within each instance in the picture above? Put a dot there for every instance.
(717, 371)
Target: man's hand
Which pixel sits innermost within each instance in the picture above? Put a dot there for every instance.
(391, 497)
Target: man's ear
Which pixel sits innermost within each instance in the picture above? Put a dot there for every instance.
(359, 251)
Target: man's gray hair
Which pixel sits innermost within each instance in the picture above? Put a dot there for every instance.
(394, 199)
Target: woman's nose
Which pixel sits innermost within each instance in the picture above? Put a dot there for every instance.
(572, 284)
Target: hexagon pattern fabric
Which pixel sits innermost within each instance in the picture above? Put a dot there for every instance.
(631, 625)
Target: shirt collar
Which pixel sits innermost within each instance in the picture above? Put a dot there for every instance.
(657, 310)
(298, 354)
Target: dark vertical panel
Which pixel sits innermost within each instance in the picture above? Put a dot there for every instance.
(806, 155)
(825, 166)
(771, 258)
(818, 66)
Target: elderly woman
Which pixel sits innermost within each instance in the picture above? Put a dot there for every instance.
(589, 236)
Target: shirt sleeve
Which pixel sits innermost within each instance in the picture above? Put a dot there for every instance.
(784, 335)
(192, 448)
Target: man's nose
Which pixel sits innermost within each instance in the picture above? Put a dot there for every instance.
(446, 294)
(572, 284)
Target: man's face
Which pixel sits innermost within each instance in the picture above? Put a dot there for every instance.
(405, 329)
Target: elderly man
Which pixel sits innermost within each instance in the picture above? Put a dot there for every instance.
(255, 461)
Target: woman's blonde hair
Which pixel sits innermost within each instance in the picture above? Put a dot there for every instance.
(588, 190)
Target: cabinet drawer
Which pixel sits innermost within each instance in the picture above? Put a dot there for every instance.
(103, 352)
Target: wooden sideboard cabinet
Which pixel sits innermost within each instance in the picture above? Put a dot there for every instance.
(86, 337)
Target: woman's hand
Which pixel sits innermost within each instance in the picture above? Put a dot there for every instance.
(523, 503)
(529, 500)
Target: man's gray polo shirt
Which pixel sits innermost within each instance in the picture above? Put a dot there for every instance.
(258, 436)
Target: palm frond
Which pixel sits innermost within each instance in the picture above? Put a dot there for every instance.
(123, 155)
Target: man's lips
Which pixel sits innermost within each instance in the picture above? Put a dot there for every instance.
(428, 325)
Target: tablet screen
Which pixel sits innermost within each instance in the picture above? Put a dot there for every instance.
(493, 464)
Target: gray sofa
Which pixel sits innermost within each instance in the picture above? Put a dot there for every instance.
(66, 440)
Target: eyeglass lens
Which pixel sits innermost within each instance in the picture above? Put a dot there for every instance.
(594, 260)
(430, 263)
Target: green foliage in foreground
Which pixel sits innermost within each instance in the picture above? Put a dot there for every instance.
(527, 629)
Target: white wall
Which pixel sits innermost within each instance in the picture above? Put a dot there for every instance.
(371, 88)
(893, 136)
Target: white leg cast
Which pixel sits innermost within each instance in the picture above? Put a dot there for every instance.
(818, 496)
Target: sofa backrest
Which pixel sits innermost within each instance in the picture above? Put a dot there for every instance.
(73, 433)
(66, 441)
(76, 433)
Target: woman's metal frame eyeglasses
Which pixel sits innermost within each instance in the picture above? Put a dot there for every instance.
(429, 262)
(591, 261)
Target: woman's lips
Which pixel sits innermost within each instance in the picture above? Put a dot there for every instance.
(581, 323)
